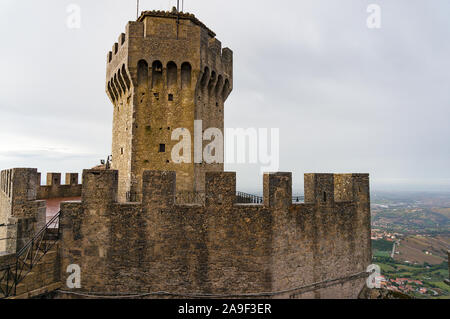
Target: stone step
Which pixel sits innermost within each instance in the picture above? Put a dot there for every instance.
(41, 271)
(33, 281)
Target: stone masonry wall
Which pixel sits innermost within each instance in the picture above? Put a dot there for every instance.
(219, 247)
(161, 76)
(19, 208)
(54, 189)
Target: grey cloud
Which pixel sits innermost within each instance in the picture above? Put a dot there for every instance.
(346, 98)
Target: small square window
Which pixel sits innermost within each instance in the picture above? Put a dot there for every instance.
(162, 148)
(170, 97)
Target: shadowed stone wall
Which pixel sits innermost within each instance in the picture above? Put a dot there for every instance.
(219, 247)
(165, 71)
(54, 189)
(19, 208)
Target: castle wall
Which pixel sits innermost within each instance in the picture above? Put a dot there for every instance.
(5, 206)
(218, 247)
(54, 189)
(328, 232)
(20, 210)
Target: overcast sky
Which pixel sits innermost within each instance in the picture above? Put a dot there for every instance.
(345, 97)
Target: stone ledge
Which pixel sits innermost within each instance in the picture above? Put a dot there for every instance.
(38, 292)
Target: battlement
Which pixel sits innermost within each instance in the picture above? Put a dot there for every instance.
(18, 185)
(54, 188)
(220, 246)
(159, 188)
(19, 207)
(6, 183)
(194, 45)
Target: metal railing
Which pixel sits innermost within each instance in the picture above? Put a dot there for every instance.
(298, 199)
(245, 198)
(133, 197)
(27, 257)
(199, 198)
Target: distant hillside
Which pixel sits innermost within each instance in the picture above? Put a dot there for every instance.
(413, 220)
(444, 211)
(423, 249)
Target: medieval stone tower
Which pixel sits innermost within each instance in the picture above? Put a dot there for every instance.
(165, 72)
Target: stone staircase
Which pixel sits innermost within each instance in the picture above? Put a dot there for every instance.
(43, 278)
(35, 270)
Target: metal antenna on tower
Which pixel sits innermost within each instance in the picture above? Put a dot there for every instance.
(137, 10)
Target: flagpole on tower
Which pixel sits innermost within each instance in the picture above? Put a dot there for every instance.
(137, 10)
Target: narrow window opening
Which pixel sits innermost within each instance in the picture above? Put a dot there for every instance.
(162, 148)
(172, 74)
(121, 151)
(156, 95)
(170, 97)
(186, 71)
(143, 73)
(156, 73)
(324, 196)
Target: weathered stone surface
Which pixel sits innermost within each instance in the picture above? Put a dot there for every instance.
(162, 75)
(219, 247)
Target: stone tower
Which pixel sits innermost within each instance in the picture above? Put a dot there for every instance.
(165, 72)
